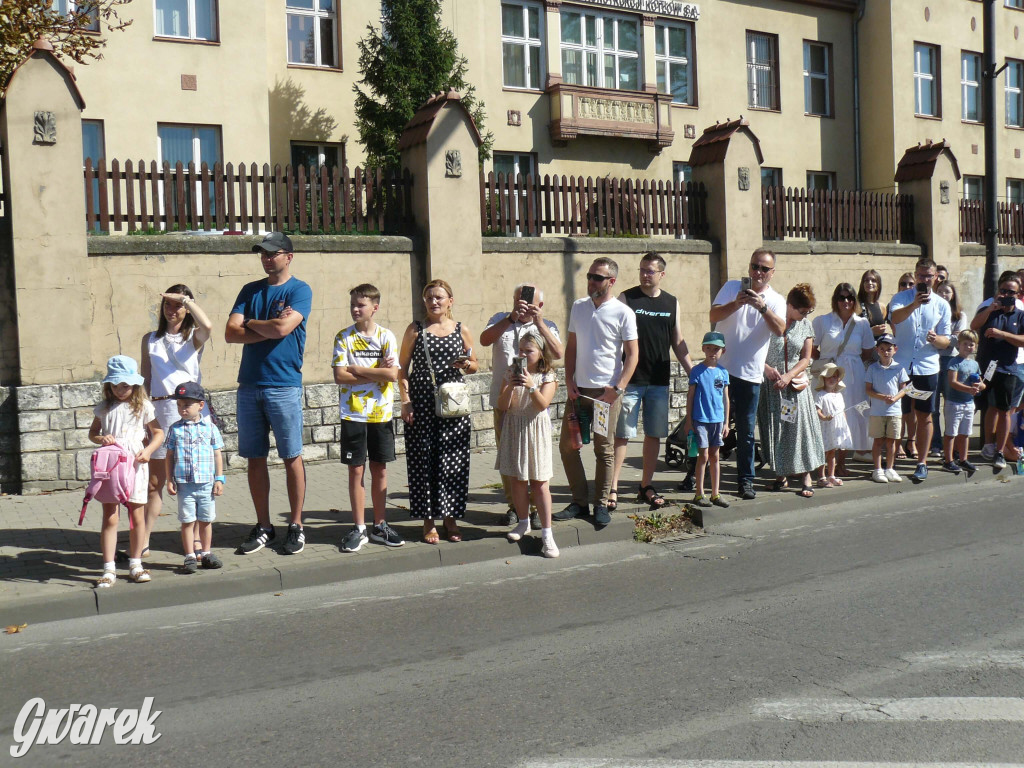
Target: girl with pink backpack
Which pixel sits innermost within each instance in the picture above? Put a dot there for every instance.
(124, 418)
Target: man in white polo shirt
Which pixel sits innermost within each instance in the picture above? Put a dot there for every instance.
(600, 356)
(747, 318)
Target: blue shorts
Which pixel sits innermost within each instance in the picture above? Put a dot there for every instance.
(195, 500)
(261, 409)
(708, 435)
(654, 401)
(926, 383)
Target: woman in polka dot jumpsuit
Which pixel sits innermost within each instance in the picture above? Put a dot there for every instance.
(436, 449)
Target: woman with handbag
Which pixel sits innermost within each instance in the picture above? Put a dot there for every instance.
(845, 338)
(170, 356)
(786, 417)
(435, 407)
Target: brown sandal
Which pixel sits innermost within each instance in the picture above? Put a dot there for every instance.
(430, 535)
(451, 532)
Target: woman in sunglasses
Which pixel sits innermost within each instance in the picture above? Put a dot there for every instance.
(844, 337)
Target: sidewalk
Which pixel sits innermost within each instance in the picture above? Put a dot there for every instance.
(48, 564)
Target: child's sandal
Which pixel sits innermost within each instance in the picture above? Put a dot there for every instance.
(835, 481)
(139, 575)
(108, 579)
(824, 482)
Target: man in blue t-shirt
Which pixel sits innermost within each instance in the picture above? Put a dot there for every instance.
(269, 318)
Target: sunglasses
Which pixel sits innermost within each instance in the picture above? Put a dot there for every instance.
(806, 312)
(844, 297)
(1007, 292)
(761, 268)
(597, 278)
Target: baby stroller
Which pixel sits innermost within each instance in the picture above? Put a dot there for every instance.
(677, 455)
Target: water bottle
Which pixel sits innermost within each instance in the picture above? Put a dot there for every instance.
(575, 439)
(691, 444)
(584, 417)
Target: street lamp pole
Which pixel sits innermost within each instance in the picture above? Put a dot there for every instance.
(989, 75)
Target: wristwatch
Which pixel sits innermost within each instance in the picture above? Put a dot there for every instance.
(763, 308)
(245, 323)
(618, 390)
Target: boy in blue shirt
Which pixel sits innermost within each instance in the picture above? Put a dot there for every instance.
(707, 415)
(195, 474)
(885, 383)
(964, 383)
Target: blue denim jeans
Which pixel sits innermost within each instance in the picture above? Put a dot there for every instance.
(744, 396)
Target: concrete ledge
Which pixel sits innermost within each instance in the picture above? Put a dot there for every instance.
(76, 604)
(841, 247)
(365, 564)
(978, 249)
(598, 245)
(123, 245)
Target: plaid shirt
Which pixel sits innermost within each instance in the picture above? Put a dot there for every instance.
(193, 444)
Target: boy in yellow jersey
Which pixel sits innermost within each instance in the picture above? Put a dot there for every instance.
(366, 371)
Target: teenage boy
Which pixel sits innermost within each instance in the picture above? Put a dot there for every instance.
(964, 384)
(707, 415)
(885, 383)
(195, 474)
(365, 370)
(1000, 327)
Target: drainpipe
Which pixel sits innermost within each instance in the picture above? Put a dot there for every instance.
(856, 94)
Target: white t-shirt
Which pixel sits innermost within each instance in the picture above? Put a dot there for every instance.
(600, 333)
(369, 402)
(746, 333)
(504, 349)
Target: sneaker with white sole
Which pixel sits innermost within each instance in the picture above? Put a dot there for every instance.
(353, 541)
(893, 476)
(879, 476)
(549, 548)
(257, 539)
(295, 541)
(999, 461)
(385, 534)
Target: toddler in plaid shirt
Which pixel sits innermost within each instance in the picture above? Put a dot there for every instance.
(195, 474)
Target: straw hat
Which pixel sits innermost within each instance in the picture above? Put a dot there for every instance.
(831, 369)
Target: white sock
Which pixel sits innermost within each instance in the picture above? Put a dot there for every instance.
(204, 554)
(109, 567)
(134, 562)
(190, 556)
(522, 527)
(546, 535)
(361, 528)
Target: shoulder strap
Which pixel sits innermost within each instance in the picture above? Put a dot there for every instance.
(426, 352)
(846, 338)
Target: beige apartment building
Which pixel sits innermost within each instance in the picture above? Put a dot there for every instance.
(590, 87)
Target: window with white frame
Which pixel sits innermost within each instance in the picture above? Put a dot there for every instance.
(1015, 191)
(762, 70)
(820, 180)
(521, 44)
(681, 172)
(817, 78)
(771, 177)
(1014, 4)
(94, 149)
(190, 144)
(970, 87)
(512, 165)
(312, 27)
(88, 17)
(1015, 93)
(926, 80)
(973, 187)
(310, 155)
(187, 19)
(673, 61)
(600, 50)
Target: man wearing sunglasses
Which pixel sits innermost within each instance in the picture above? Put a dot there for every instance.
(921, 322)
(600, 357)
(747, 318)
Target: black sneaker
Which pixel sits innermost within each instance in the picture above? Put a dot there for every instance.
(687, 485)
(747, 492)
(190, 566)
(571, 512)
(511, 518)
(952, 466)
(602, 516)
(257, 539)
(535, 520)
(999, 462)
(211, 561)
(967, 467)
(295, 541)
(354, 541)
(385, 534)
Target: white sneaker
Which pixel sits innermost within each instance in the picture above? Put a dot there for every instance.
(549, 548)
(988, 451)
(879, 476)
(893, 476)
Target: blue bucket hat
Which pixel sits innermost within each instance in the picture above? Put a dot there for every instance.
(121, 368)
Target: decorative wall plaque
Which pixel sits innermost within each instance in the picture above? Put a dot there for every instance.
(188, 83)
(744, 174)
(619, 110)
(944, 192)
(44, 129)
(515, 117)
(690, 131)
(453, 163)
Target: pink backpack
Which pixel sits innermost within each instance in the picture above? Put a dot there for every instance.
(113, 477)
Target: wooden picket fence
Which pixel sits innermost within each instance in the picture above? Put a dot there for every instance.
(571, 205)
(836, 215)
(972, 222)
(245, 199)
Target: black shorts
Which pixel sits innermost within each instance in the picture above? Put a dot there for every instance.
(1001, 391)
(928, 383)
(359, 439)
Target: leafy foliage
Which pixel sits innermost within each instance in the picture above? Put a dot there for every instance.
(411, 58)
(73, 36)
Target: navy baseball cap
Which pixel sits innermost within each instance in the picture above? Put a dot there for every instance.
(190, 390)
(885, 338)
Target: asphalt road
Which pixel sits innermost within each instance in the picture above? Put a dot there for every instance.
(890, 633)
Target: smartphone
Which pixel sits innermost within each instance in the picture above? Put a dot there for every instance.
(464, 357)
(1007, 301)
(518, 365)
(745, 283)
(922, 288)
(526, 294)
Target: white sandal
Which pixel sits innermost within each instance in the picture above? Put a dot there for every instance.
(139, 576)
(835, 481)
(108, 579)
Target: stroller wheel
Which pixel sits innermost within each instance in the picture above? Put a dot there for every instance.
(673, 457)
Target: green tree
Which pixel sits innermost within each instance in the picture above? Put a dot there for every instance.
(22, 22)
(412, 57)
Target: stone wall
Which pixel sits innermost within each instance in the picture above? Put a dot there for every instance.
(53, 421)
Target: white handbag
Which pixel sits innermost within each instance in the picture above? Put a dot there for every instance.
(451, 399)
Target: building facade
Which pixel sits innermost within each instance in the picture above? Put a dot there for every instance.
(586, 87)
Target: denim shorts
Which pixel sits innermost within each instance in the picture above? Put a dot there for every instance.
(708, 435)
(195, 500)
(261, 409)
(653, 400)
(959, 418)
